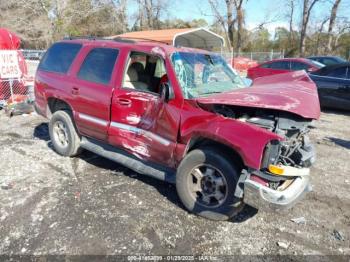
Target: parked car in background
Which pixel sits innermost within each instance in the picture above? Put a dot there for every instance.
(279, 66)
(182, 115)
(242, 63)
(328, 60)
(333, 84)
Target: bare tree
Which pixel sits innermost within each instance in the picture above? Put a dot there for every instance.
(149, 14)
(230, 20)
(240, 21)
(120, 14)
(332, 19)
(343, 27)
(319, 35)
(227, 24)
(234, 17)
(307, 8)
(291, 6)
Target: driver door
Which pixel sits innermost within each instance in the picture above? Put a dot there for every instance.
(142, 123)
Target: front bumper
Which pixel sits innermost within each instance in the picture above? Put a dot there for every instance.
(268, 199)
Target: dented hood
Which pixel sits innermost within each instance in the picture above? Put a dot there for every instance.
(291, 92)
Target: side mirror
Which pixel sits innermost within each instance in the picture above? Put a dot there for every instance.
(247, 81)
(166, 92)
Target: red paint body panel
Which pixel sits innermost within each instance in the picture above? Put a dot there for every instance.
(291, 92)
(152, 129)
(260, 71)
(246, 139)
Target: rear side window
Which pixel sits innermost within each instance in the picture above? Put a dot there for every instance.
(281, 65)
(98, 65)
(299, 66)
(59, 57)
(265, 65)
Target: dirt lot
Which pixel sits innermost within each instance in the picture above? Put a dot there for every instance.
(90, 205)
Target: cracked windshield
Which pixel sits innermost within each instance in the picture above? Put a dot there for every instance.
(203, 74)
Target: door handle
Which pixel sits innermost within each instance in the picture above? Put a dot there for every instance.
(75, 90)
(124, 101)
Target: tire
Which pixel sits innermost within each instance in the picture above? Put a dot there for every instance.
(63, 134)
(195, 190)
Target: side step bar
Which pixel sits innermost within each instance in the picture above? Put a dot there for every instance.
(130, 161)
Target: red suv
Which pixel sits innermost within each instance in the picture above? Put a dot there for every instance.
(279, 66)
(181, 115)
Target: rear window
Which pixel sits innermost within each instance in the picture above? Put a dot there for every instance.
(98, 65)
(59, 57)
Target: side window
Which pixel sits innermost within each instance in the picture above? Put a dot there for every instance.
(280, 65)
(98, 65)
(59, 57)
(299, 66)
(338, 72)
(265, 65)
(328, 61)
(144, 72)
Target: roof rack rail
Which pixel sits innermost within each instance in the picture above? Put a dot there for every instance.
(82, 37)
(118, 39)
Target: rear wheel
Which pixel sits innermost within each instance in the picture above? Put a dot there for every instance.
(206, 182)
(63, 134)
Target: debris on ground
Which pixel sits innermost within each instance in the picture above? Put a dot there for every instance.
(7, 186)
(19, 108)
(44, 212)
(282, 244)
(338, 235)
(299, 220)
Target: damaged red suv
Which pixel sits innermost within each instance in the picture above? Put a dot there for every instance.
(182, 115)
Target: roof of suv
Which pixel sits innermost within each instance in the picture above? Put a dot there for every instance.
(118, 42)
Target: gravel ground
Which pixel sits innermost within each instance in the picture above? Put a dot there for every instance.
(89, 205)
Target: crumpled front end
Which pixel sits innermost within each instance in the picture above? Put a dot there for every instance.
(284, 177)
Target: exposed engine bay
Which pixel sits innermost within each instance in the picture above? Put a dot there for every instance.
(295, 151)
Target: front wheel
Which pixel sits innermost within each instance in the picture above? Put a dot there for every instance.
(206, 182)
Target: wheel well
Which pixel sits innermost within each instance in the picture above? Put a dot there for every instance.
(228, 151)
(55, 104)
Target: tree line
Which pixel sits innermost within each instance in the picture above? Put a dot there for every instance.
(41, 22)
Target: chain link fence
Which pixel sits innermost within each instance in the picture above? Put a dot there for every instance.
(32, 58)
(18, 91)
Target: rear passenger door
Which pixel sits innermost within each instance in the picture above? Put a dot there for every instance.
(92, 89)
